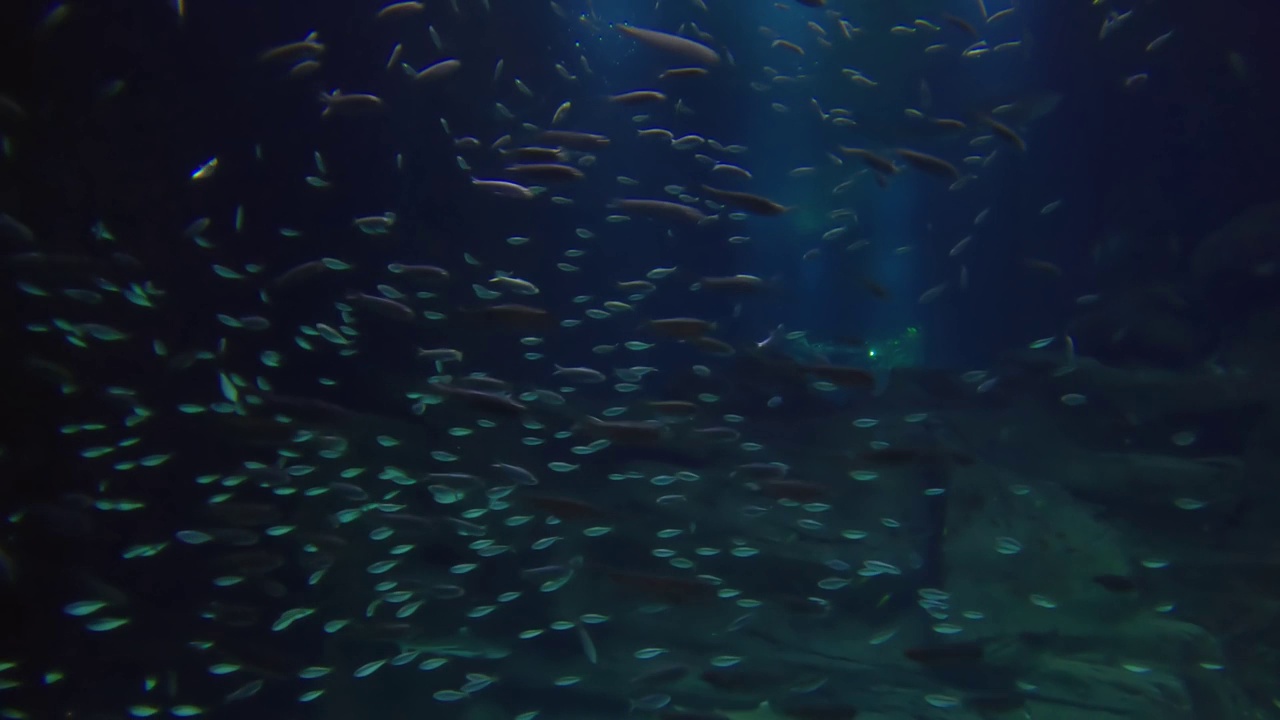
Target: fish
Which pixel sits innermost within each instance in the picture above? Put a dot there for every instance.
(1043, 266)
(675, 45)
(680, 328)
(460, 644)
(733, 284)
(294, 52)
(575, 140)
(399, 10)
(1159, 42)
(960, 24)
(661, 210)
(503, 188)
(877, 290)
(789, 46)
(685, 72)
(423, 273)
(350, 103)
(1005, 133)
(623, 431)
(513, 316)
(880, 164)
(579, 374)
(438, 70)
(440, 354)
(546, 172)
(929, 163)
(482, 400)
(638, 97)
(382, 306)
(752, 203)
(1027, 109)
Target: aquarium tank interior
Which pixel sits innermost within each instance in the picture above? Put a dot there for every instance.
(639, 360)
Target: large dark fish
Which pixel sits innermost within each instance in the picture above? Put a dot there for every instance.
(752, 203)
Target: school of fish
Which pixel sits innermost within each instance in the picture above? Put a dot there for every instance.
(535, 509)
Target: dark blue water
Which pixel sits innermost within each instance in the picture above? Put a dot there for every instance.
(1128, 454)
